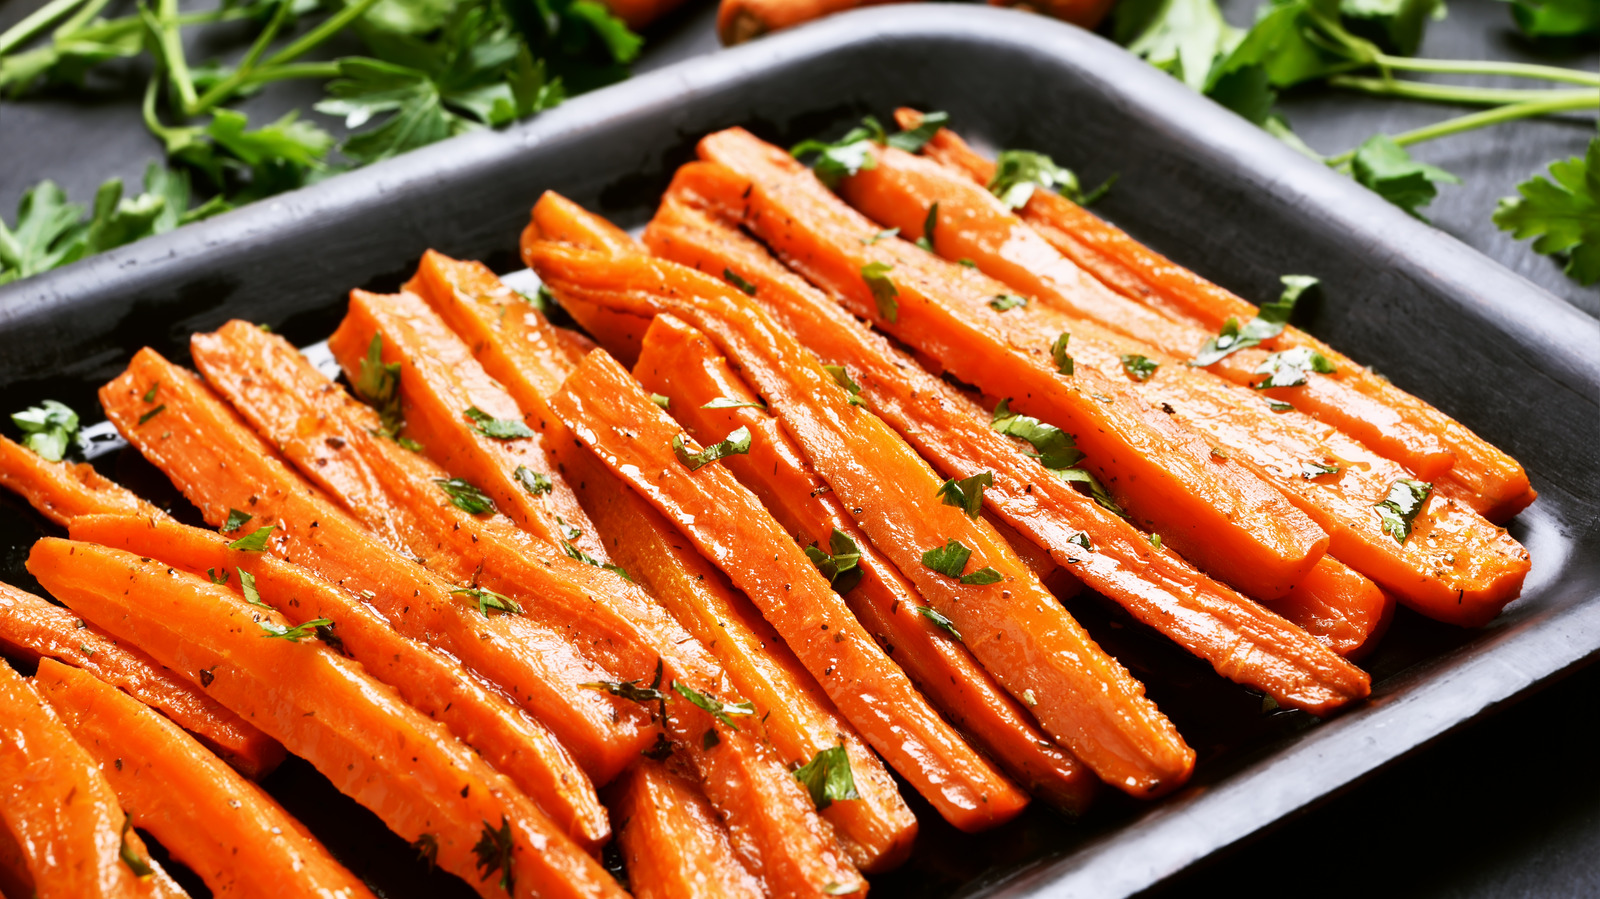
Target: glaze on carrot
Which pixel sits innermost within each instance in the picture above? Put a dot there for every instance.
(219, 464)
(33, 628)
(671, 840)
(63, 816)
(1215, 512)
(1482, 475)
(61, 491)
(221, 826)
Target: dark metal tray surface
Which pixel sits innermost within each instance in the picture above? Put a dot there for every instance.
(1197, 183)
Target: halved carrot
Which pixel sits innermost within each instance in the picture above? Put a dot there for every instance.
(60, 491)
(621, 333)
(220, 465)
(1339, 606)
(1216, 512)
(680, 363)
(672, 843)
(34, 628)
(425, 785)
(1482, 475)
(72, 834)
(224, 828)
(1158, 588)
(598, 611)
(531, 358)
(430, 681)
(730, 527)
(973, 224)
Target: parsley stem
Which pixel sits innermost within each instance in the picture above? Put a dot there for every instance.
(264, 39)
(1449, 93)
(1483, 67)
(1580, 100)
(329, 27)
(34, 24)
(164, 25)
(277, 67)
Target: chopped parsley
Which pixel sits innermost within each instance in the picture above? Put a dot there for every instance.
(494, 853)
(536, 483)
(842, 566)
(1277, 406)
(218, 579)
(236, 520)
(1007, 301)
(847, 155)
(1097, 490)
(298, 632)
(732, 277)
(967, 493)
(928, 224)
(152, 413)
(827, 777)
(728, 402)
(912, 140)
(876, 274)
(427, 847)
(951, 559)
(1269, 322)
(1138, 367)
(139, 866)
(498, 428)
(1082, 539)
(1017, 173)
(722, 711)
(664, 402)
(841, 376)
(1058, 354)
(1399, 509)
(247, 582)
(1313, 470)
(1155, 540)
(736, 443)
(150, 395)
(939, 621)
(49, 428)
(631, 689)
(881, 235)
(378, 385)
(1053, 447)
(466, 497)
(1292, 368)
(255, 541)
(488, 600)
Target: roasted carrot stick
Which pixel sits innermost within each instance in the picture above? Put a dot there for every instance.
(680, 363)
(34, 628)
(1342, 608)
(1158, 588)
(731, 528)
(742, 20)
(224, 828)
(971, 223)
(14, 877)
(1483, 476)
(523, 352)
(220, 465)
(430, 681)
(597, 610)
(62, 490)
(420, 781)
(671, 840)
(620, 332)
(72, 834)
(1216, 512)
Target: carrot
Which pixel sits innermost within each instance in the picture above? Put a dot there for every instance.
(601, 612)
(1339, 606)
(1216, 512)
(680, 363)
(428, 680)
(742, 20)
(220, 465)
(1482, 475)
(619, 332)
(72, 835)
(671, 841)
(421, 782)
(33, 628)
(224, 828)
(1108, 554)
(61, 491)
(731, 528)
(973, 224)
(1083, 13)
(14, 877)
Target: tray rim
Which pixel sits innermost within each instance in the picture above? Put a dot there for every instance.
(1174, 835)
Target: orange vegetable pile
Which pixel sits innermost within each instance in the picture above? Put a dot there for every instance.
(795, 513)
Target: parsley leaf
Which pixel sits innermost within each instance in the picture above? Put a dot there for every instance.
(1269, 322)
(1383, 166)
(841, 376)
(846, 156)
(732, 277)
(377, 383)
(1313, 470)
(493, 850)
(255, 541)
(842, 566)
(1563, 214)
(236, 520)
(1053, 447)
(498, 428)
(630, 689)
(1556, 18)
(728, 402)
(662, 401)
(294, 634)
(1292, 368)
(1139, 367)
(1082, 540)
(876, 274)
(218, 579)
(967, 493)
(736, 443)
(1180, 37)
(1397, 25)
(1007, 301)
(1399, 509)
(718, 709)
(950, 559)
(1097, 491)
(247, 582)
(1058, 353)
(465, 497)
(1018, 172)
(827, 777)
(49, 429)
(939, 621)
(881, 235)
(928, 225)
(488, 600)
(912, 140)
(139, 866)
(536, 483)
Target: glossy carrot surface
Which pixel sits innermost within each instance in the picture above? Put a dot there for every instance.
(671, 841)
(61, 491)
(219, 825)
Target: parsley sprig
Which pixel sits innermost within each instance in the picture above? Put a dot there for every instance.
(827, 777)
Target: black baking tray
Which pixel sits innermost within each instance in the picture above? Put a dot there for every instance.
(1199, 184)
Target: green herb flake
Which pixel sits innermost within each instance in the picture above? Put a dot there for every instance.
(950, 559)
(1097, 490)
(664, 402)
(1053, 447)
(1313, 470)
(498, 428)
(152, 414)
(49, 429)
(536, 483)
(1269, 322)
(1058, 354)
(876, 274)
(845, 157)
(150, 395)
(827, 777)
(728, 402)
(236, 520)
(1277, 406)
(1082, 539)
(218, 579)
(465, 497)
(716, 708)
(1384, 167)
(928, 224)
(138, 865)
(378, 385)
(247, 582)
(1018, 173)
(881, 235)
(912, 140)
(1005, 302)
(493, 850)
(631, 689)
(966, 263)
(1139, 367)
(841, 376)
(1292, 368)
(732, 277)
(294, 634)
(489, 601)
(736, 443)
(841, 566)
(1398, 511)
(1155, 540)
(967, 493)
(1561, 213)
(427, 847)
(939, 621)
(255, 541)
